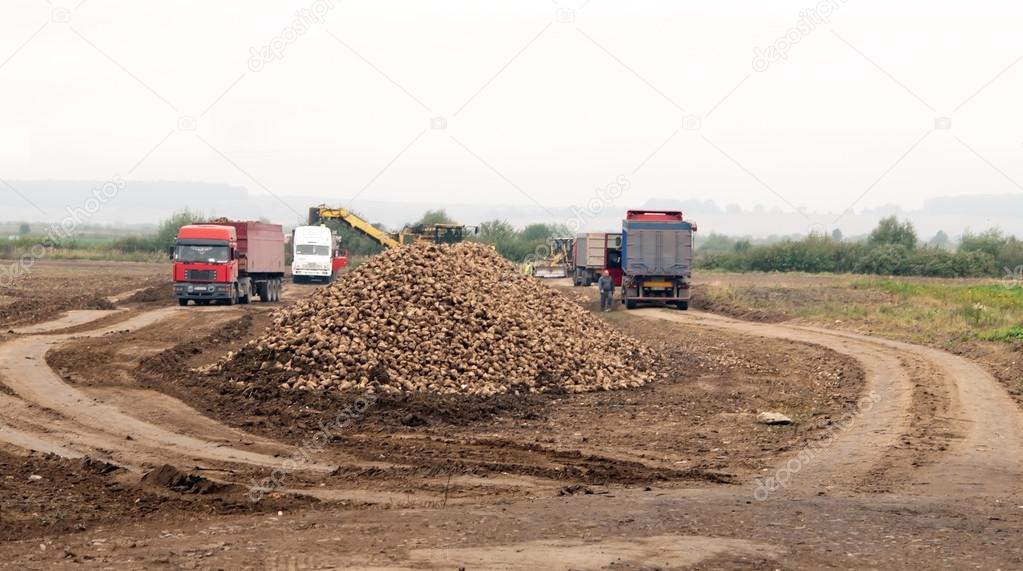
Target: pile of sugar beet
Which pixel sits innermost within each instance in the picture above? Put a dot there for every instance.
(452, 319)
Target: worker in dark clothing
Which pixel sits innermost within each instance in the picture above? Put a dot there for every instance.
(606, 285)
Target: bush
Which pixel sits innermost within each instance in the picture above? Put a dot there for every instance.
(886, 260)
(891, 250)
(812, 256)
(891, 232)
(1006, 251)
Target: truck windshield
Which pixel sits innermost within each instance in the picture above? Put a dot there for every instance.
(312, 250)
(208, 254)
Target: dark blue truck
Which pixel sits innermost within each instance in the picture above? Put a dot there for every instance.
(657, 258)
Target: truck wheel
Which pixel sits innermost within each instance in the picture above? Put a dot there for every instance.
(182, 302)
(630, 304)
(278, 290)
(682, 305)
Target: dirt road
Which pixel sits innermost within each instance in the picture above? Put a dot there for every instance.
(924, 472)
(50, 415)
(982, 433)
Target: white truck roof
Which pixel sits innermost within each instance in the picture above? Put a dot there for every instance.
(315, 235)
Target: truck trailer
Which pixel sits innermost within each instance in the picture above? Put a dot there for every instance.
(228, 262)
(593, 253)
(657, 258)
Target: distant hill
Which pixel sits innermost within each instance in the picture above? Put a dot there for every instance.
(148, 202)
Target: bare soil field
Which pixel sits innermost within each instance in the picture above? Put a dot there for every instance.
(50, 288)
(115, 454)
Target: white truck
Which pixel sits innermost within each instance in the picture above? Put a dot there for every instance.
(316, 255)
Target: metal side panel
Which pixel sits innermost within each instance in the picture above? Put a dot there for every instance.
(667, 252)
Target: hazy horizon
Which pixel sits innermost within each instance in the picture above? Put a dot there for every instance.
(953, 215)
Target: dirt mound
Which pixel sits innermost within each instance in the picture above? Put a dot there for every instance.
(169, 477)
(163, 292)
(27, 310)
(441, 319)
(98, 466)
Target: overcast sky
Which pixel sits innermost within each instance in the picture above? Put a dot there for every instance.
(524, 102)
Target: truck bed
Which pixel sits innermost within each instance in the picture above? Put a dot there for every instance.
(263, 246)
(657, 247)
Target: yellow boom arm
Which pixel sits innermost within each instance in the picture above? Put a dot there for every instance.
(356, 222)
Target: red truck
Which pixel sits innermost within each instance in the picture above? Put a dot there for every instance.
(228, 262)
(593, 254)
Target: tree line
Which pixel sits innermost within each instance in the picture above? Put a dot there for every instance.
(513, 243)
(892, 248)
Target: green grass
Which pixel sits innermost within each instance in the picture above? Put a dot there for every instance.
(105, 255)
(95, 254)
(929, 311)
(981, 311)
(1009, 334)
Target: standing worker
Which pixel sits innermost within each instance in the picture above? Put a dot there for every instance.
(606, 285)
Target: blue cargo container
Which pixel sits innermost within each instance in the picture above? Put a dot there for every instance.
(657, 258)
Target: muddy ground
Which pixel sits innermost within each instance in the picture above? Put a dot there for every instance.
(48, 289)
(698, 425)
(668, 476)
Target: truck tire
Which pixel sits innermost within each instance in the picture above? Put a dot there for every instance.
(682, 305)
(630, 304)
(182, 302)
(279, 290)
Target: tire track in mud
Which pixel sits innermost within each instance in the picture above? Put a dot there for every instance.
(87, 425)
(976, 450)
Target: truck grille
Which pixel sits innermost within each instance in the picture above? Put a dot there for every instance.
(201, 275)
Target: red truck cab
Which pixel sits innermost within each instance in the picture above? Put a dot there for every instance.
(206, 264)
